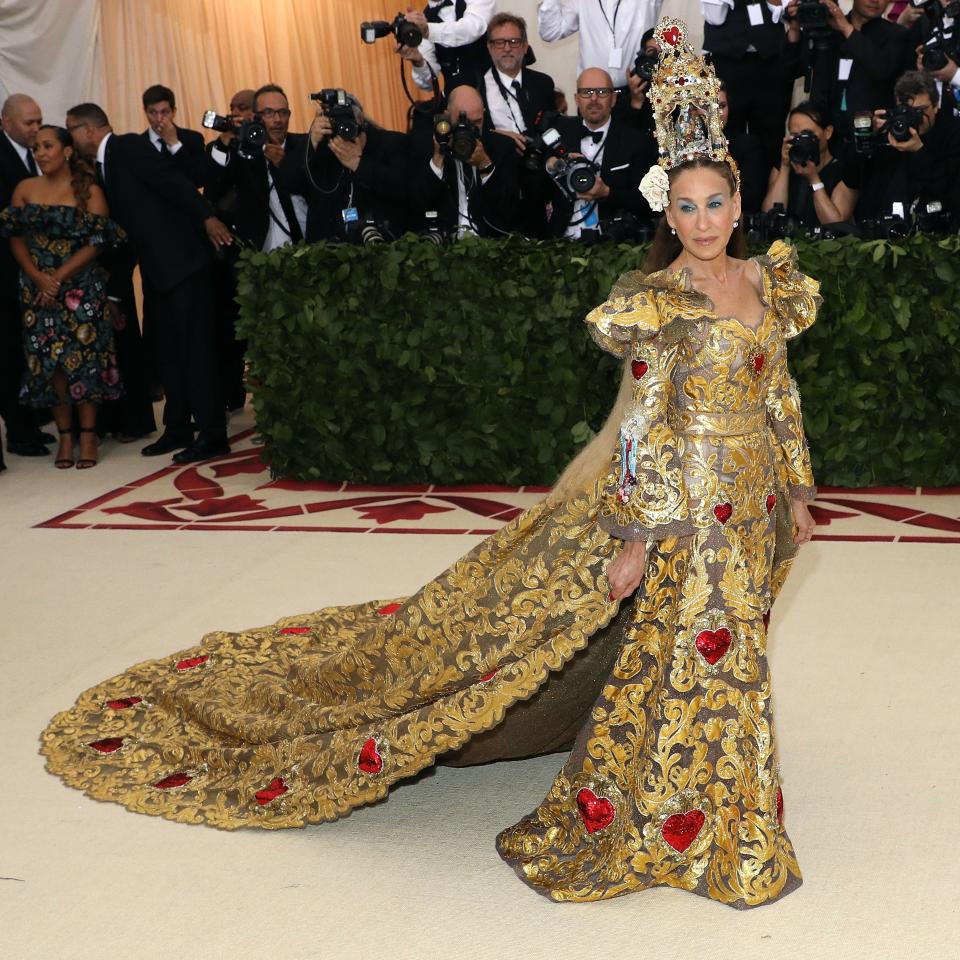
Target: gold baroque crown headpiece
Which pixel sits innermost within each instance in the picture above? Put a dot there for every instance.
(685, 96)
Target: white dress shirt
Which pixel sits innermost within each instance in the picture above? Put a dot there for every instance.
(585, 211)
(504, 109)
(610, 30)
(451, 32)
(157, 141)
(464, 170)
(102, 156)
(715, 13)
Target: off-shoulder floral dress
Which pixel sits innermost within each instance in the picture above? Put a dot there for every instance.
(516, 649)
(74, 333)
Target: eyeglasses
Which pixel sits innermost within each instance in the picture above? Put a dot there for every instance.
(77, 126)
(268, 113)
(502, 42)
(588, 93)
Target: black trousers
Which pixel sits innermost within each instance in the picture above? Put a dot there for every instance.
(20, 421)
(759, 97)
(186, 348)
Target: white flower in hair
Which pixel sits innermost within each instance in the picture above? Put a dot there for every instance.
(655, 187)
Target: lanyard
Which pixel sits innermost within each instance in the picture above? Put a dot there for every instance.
(611, 26)
(508, 96)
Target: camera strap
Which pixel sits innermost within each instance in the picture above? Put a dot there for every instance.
(292, 229)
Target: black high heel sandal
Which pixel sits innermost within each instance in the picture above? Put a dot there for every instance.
(85, 463)
(64, 463)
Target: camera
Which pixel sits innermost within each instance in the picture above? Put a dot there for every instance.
(804, 148)
(932, 218)
(645, 65)
(338, 107)
(890, 226)
(457, 141)
(572, 175)
(776, 224)
(812, 15)
(251, 135)
(935, 56)
(625, 228)
(899, 121)
(407, 34)
(432, 231)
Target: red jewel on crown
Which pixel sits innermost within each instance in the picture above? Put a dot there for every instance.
(639, 368)
(672, 36)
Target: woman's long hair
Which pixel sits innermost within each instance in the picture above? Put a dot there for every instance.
(81, 173)
(592, 463)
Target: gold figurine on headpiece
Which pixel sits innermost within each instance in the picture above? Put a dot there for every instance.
(685, 96)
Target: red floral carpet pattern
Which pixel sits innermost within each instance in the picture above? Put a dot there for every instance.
(235, 492)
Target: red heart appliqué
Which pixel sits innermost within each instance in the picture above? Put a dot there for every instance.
(596, 812)
(758, 362)
(672, 36)
(192, 662)
(771, 502)
(681, 829)
(276, 788)
(639, 368)
(389, 608)
(370, 760)
(295, 631)
(723, 511)
(713, 644)
(174, 780)
(124, 703)
(779, 805)
(109, 745)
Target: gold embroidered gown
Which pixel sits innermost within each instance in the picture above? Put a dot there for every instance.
(516, 649)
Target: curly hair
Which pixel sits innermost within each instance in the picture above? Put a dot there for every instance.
(81, 173)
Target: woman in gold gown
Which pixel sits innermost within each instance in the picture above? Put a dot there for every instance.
(625, 616)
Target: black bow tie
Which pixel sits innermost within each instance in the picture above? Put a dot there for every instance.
(595, 135)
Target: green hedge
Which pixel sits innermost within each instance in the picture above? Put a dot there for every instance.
(470, 363)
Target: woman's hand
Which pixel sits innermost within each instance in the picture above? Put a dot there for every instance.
(805, 523)
(625, 573)
(47, 285)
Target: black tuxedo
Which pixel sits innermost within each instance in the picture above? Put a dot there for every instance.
(534, 99)
(19, 420)
(377, 188)
(627, 155)
(191, 157)
(244, 185)
(493, 204)
(163, 215)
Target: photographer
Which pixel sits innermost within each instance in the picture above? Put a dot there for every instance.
(855, 59)
(917, 166)
(269, 182)
(809, 183)
(746, 40)
(465, 173)
(620, 155)
(453, 32)
(633, 105)
(933, 30)
(357, 173)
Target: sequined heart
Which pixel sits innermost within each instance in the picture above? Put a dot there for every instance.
(174, 780)
(723, 511)
(108, 745)
(672, 36)
(779, 805)
(192, 662)
(681, 829)
(639, 368)
(758, 362)
(713, 644)
(124, 703)
(276, 788)
(389, 608)
(596, 812)
(370, 760)
(771, 502)
(295, 631)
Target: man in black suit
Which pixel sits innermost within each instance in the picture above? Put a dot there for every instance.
(185, 147)
(479, 194)
(171, 228)
(622, 154)
(355, 181)
(270, 187)
(21, 119)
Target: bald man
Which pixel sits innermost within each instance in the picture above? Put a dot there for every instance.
(21, 118)
(621, 154)
(479, 194)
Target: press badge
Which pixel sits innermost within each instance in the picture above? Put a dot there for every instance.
(843, 68)
(616, 58)
(755, 14)
(350, 215)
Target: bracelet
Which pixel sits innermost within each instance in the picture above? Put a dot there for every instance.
(816, 186)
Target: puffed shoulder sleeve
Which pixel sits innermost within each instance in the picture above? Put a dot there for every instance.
(630, 313)
(795, 297)
(100, 231)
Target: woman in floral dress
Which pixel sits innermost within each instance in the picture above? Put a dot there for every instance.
(57, 224)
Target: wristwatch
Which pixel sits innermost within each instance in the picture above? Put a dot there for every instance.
(816, 186)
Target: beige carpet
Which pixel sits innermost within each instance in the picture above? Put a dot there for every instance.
(864, 654)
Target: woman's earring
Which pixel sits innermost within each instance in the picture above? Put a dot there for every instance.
(736, 223)
(674, 232)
